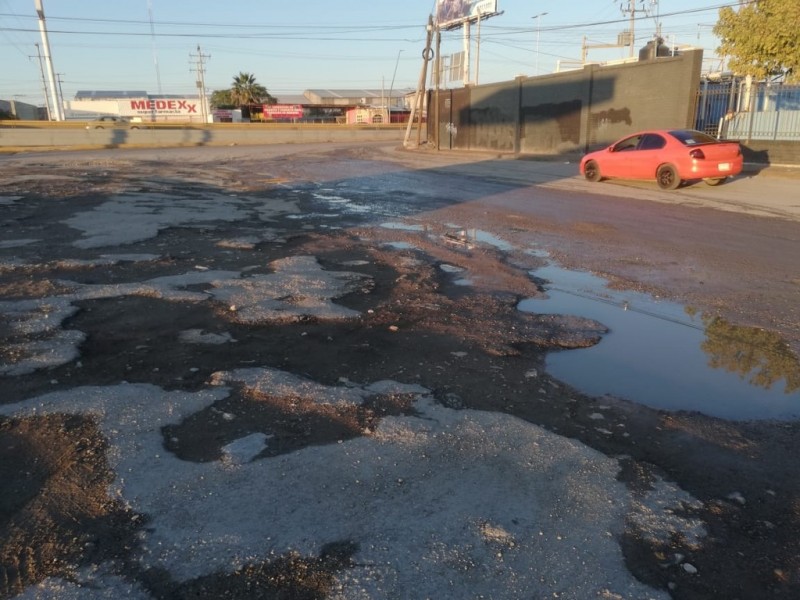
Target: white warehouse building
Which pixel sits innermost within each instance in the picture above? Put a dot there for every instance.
(138, 106)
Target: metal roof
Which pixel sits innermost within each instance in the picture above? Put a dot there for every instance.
(117, 94)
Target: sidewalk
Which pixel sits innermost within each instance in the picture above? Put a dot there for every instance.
(760, 190)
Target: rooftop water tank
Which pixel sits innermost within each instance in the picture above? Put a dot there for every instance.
(654, 49)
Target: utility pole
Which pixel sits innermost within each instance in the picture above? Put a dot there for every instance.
(478, 49)
(201, 80)
(44, 83)
(61, 92)
(419, 98)
(58, 110)
(632, 10)
(438, 83)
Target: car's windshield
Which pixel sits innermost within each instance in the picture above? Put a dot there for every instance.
(689, 137)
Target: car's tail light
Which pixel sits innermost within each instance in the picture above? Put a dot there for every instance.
(697, 154)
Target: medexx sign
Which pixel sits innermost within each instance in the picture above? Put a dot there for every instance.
(166, 106)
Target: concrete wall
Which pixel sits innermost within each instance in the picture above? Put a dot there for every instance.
(14, 135)
(766, 152)
(21, 110)
(569, 112)
(554, 109)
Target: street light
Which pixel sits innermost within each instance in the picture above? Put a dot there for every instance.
(538, 31)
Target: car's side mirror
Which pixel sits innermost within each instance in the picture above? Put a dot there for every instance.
(610, 148)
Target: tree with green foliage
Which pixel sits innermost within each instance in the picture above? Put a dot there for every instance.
(245, 90)
(761, 38)
(221, 99)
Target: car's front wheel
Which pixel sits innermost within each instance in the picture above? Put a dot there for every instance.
(591, 170)
(667, 177)
(715, 180)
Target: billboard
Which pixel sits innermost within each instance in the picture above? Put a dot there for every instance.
(282, 111)
(450, 13)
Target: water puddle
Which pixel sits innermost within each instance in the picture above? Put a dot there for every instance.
(400, 245)
(340, 203)
(402, 226)
(666, 356)
(485, 237)
(450, 268)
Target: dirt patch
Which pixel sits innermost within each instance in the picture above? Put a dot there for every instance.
(55, 513)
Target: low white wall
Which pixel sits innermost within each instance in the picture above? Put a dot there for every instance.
(19, 136)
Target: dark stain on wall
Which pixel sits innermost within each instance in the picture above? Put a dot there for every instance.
(605, 118)
(552, 125)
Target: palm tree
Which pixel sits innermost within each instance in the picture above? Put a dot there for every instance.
(246, 91)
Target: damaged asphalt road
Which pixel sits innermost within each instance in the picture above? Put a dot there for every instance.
(302, 372)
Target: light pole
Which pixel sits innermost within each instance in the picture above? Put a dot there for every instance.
(538, 31)
(58, 109)
(391, 85)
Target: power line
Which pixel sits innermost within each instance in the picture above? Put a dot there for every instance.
(500, 30)
(231, 35)
(307, 31)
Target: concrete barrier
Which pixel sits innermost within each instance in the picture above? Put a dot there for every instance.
(22, 135)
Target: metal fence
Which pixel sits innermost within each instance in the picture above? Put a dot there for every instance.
(737, 110)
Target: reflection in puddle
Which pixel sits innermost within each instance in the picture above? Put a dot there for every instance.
(664, 356)
(760, 356)
(470, 237)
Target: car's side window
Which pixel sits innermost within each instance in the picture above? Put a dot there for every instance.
(628, 144)
(652, 141)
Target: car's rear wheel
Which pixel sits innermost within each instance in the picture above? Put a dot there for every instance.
(98, 126)
(134, 127)
(667, 177)
(715, 180)
(591, 170)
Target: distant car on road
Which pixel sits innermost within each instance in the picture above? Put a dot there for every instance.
(110, 121)
(671, 157)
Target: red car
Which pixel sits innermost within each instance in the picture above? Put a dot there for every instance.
(668, 156)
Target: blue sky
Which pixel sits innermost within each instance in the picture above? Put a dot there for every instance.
(293, 46)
